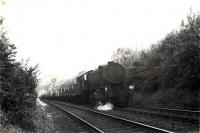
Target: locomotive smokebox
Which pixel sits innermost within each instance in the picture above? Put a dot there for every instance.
(112, 73)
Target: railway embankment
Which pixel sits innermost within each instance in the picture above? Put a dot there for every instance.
(43, 121)
(7, 128)
(50, 120)
(166, 98)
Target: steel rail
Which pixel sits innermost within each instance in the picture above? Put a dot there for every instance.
(178, 110)
(119, 118)
(169, 116)
(85, 122)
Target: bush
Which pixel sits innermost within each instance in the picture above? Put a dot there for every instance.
(17, 87)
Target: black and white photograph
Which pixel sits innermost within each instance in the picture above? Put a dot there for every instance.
(99, 66)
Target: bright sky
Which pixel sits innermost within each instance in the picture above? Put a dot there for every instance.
(68, 36)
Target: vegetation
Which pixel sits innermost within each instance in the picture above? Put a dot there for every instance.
(43, 123)
(168, 74)
(124, 56)
(17, 86)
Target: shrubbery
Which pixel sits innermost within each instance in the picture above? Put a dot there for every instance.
(17, 86)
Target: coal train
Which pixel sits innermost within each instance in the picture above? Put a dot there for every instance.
(105, 84)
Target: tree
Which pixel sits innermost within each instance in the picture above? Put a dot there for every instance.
(171, 66)
(124, 56)
(17, 86)
(7, 66)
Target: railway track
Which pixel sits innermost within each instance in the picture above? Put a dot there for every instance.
(170, 114)
(80, 124)
(176, 123)
(102, 122)
(188, 114)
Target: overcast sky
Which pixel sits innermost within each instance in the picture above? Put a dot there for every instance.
(68, 36)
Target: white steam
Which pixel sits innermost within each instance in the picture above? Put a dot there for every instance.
(107, 106)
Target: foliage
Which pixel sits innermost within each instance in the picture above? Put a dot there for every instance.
(17, 86)
(172, 66)
(124, 56)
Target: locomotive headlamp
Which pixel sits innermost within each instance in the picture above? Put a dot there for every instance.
(85, 77)
(131, 87)
(106, 89)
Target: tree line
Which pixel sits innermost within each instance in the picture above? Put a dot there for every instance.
(18, 81)
(169, 71)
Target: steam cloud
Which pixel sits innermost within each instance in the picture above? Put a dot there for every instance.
(106, 107)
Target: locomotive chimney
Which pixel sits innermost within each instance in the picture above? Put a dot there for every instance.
(110, 62)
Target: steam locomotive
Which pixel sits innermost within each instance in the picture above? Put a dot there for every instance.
(105, 84)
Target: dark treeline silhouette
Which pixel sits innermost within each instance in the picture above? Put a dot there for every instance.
(17, 86)
(168, 74)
